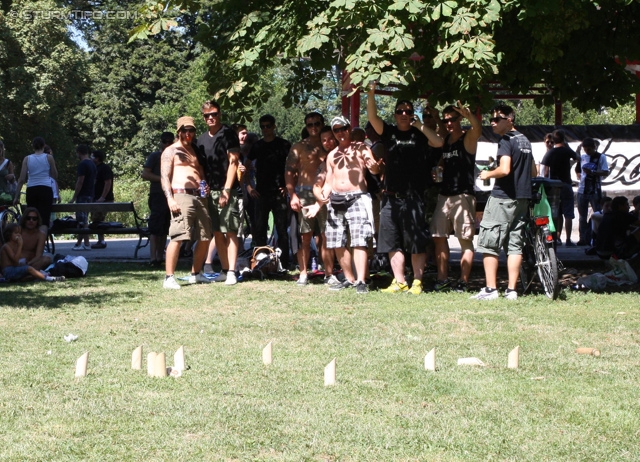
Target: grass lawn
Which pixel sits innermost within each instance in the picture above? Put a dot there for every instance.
(385, 407)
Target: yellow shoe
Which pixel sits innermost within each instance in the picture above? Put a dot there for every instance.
(416, 287)
(395, 288)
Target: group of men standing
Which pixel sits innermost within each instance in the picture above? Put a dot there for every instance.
(323, 179)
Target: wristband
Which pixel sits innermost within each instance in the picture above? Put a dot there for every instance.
(227, 189)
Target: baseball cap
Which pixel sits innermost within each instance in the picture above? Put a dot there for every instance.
(339, 120)
(185, 121)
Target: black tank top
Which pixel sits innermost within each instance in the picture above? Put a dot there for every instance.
(458, 176)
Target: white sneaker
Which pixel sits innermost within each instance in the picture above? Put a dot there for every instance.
(484, 294)
(331, 280)
(78, 247)
(221, 277)
(170, 283)
(231, 278)
(511, 294)
(302, 280)
(198, 278)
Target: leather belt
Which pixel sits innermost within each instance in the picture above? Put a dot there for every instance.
(396, 195)
(190, 191)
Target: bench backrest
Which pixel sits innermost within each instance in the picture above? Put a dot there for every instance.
(94, 207)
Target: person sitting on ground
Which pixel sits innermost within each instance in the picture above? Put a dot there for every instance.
(33, 240)
(13, 266)
(619, 232)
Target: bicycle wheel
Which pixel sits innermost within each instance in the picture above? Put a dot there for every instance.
(527, 268)
(547, 265)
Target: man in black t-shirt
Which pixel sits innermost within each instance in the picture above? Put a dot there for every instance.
(270, 155)
(219, 152)
(406, 169)
(456, 207)
(556, 164)
(503, 222)
(103, 192)
(83, 194)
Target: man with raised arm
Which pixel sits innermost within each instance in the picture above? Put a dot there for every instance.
(303, 161)
(180, 175)
(349, 207)
(503, 221)
(219, 148)
(406, 168)
(456, 207)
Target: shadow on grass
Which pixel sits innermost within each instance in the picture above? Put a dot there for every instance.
(104, 284)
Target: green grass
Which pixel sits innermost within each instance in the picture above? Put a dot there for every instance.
(228, 406)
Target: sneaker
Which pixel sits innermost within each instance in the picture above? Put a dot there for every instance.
(221, 277)
(78, 247)
(198, 279)
(395, 288)
(231, 278)
(568, 243)
(170, 283)
(341, 285)
(99, 245)
(581, 243)
(55, 278)
(302, 280)
(558, 242)
(331, 280)
(486, 294)
(416, 287)
(461, 287)
(510, 294)
(443, 286)
(361, 288)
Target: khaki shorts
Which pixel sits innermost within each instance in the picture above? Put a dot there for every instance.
(193, 222)
(455, 213)
(227, 219)
(502, 226)
(317, 224)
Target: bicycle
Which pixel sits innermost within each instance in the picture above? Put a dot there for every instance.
(538, 255)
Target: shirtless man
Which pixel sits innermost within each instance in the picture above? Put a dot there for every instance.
(33, 240)
(180, 176)
(349, 203)
(301, 168)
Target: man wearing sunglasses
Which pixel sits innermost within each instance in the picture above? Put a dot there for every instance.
(219, 149)
(504, 215)
(407, 167)
(181, 173)
(159, 216)
(270, 156)
(33, 240)
(456, 206)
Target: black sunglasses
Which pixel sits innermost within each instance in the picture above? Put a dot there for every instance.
(404, 111)
(210, 114)
(497, 119)
(341, 129)
(265, 126)
(166, 141)
(188, 130)
(451, 119)
(427, 115)
(31, 218)
(314, 124)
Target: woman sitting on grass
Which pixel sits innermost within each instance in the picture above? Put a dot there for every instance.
(13, 267)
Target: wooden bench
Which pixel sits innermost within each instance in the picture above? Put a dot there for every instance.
(59, 227)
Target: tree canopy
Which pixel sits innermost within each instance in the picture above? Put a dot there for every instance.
(452, 49)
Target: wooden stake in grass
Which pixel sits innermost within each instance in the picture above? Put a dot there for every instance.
(160, 369)
(430, 360)
(514, 358)
(136, 358)
(81, 365)
(588, 351)
(151, 364)
(330, 373)
(267, 354)
(178, 359)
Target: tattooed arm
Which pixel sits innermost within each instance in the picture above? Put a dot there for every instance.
(166, 175)
(291, 176)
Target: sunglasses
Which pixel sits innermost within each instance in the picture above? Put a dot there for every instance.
(187, 130)
(31, 218)
(451, 119)
(497, 119)
(341, 129)
(404, 111)
(210, 114)
(166, 141)
(314, 124)
(427, 115)
(265, 126)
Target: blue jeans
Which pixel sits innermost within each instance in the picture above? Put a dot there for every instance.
(584, 200)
